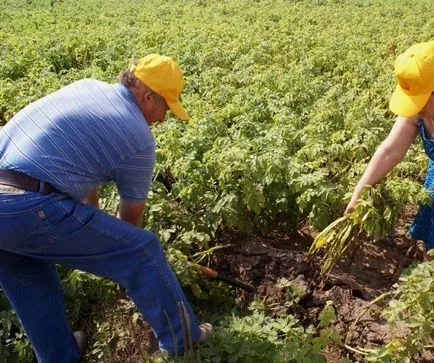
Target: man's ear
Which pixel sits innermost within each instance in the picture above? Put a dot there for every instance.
(147, 96)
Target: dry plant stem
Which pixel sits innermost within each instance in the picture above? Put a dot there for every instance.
(359, 350)
(336, 239)
(184, 330)
(333, 255)
(203, 254)
(364, 311)
(191, 351)
(324, 232)
(354, 350)
(172, 332)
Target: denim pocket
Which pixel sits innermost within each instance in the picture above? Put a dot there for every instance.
(26, 232)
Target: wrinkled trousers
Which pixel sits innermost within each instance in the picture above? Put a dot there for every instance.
(37, 231)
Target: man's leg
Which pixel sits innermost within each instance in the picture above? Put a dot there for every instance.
(93, 241)
(32, 287)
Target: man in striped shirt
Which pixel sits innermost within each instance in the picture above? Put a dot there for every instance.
(53, 156)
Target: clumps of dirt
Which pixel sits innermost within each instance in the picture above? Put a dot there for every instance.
(288, 281)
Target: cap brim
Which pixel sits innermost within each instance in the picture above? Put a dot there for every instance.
(407, 105)
(178, 110)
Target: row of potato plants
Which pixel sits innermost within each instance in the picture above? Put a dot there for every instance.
(288, 102)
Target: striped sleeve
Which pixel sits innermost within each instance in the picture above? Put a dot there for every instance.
(133, 176)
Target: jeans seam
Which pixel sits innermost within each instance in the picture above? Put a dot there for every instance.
(51, 232)
(127, 242)
(28, 211)
(163, 277)
(63, 208)
(95, 228)
(22, 213)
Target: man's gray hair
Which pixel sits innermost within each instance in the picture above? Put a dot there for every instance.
(128, 79)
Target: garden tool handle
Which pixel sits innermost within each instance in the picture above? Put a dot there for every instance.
(230, 280)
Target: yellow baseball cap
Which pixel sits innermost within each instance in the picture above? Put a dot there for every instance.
(163, 76)
(414, 71)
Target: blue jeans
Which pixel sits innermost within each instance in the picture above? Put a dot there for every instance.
(37, 231)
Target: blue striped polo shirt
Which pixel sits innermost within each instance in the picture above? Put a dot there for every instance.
(81, 136)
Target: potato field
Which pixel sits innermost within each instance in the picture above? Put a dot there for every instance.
(288, 101)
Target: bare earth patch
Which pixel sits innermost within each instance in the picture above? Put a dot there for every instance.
(364, 273)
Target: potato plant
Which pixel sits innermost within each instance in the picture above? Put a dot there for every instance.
(288, 101)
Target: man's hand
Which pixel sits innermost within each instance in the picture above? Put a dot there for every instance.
(92, 198)
(131, 212)
(418, 251)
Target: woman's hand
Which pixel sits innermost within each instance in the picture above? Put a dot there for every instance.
(352, 203)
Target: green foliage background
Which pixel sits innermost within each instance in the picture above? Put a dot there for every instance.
(288, 101)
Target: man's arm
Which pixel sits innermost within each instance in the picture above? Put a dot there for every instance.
(131, 212)
(133, 178)
(92, 198)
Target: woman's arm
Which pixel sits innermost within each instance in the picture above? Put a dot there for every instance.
(387, 156)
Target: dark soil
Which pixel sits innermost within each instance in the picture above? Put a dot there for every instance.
(366, 272)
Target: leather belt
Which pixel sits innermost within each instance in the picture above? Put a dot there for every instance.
(25, 182)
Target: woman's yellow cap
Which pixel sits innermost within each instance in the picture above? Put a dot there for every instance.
(414, 71)
(163, 76)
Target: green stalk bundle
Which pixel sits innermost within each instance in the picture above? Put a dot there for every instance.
(335, 239)
(374, 216)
